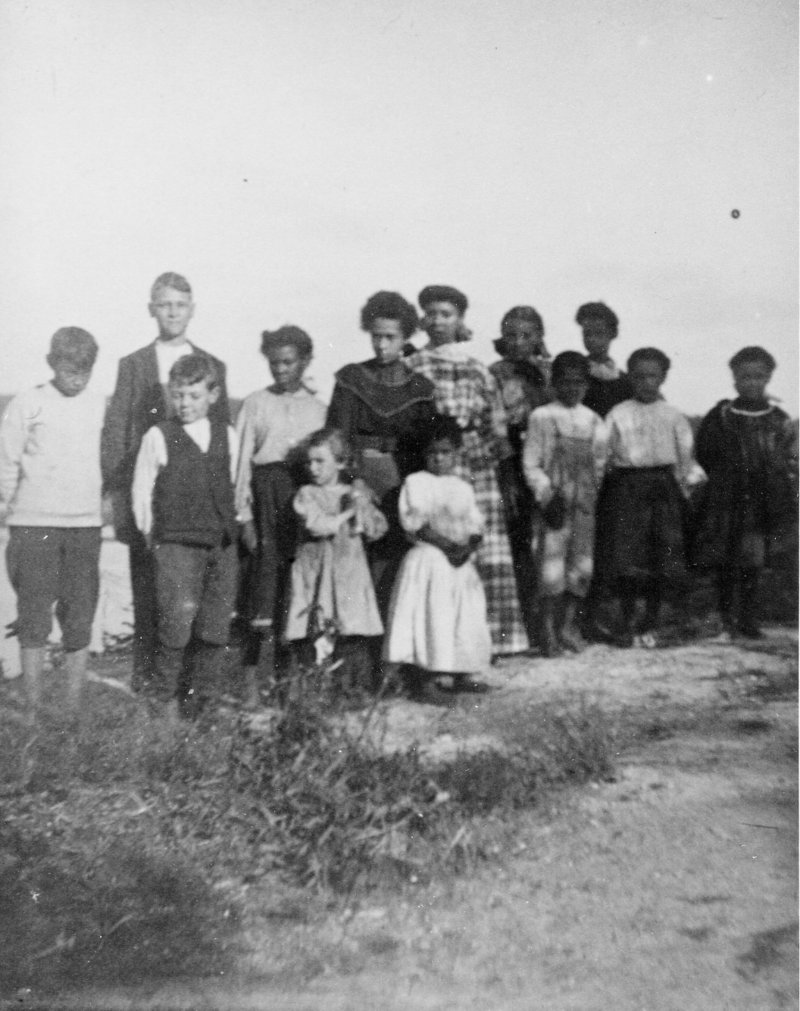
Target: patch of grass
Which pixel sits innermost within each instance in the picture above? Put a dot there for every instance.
(128, 842)
(335, 806)
(128, 909)
(341, 810)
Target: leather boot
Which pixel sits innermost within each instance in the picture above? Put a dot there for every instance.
(748, 624)
(570, 634)
(548, 640)
(265, 668)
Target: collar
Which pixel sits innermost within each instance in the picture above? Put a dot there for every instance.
(302, 391)
(453, 352)
(605, 370)
(751, 409)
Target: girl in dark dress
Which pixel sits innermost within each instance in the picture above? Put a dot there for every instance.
(608, 384)
(381, 407)
(747, 512)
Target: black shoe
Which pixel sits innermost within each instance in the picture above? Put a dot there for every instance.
(470, 686)
(427, 692)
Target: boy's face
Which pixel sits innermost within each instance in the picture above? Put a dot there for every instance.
(522, 340)
(750, 380)
(70, 379)
(192, 401)
(323, 465)
(597, 337)
(646, 378)
(287, 368)
(571, 387)
(440, 457)
(387, 340)
(172, 310)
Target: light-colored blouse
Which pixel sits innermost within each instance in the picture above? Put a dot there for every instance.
(565, 449)
(445, 504)
(270, 425)
(652, 435)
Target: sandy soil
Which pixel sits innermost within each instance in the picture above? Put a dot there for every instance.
(671, 887)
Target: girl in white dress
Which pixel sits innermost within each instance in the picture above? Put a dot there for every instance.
(437, 617)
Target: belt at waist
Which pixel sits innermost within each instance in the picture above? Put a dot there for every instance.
(274, 465)
(387, 444)
(664, 468)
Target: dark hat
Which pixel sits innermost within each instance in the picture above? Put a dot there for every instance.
(443, 293)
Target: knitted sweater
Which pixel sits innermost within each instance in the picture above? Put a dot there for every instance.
(50, 458)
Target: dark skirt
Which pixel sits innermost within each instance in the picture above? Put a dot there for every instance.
(266, 580)
(640, 538)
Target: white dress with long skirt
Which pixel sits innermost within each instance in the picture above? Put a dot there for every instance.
(437, 617)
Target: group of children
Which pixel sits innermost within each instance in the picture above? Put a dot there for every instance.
(268, 518)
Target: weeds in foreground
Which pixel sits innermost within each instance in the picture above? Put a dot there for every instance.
(129, 832)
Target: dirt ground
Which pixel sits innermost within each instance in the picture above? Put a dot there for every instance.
(672, 886)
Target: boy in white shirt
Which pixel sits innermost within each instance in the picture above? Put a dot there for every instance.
(183, 505)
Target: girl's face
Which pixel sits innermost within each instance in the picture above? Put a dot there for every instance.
(440, 457)
(646, 378)
(442, 321)
(751, 379)
(571, 387)
(522, 338)
(287, 367)
(387, 340)
(323, 465)
(597, 337)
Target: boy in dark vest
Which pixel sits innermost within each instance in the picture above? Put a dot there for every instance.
(183, 506)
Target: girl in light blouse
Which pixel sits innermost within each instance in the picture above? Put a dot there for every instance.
(641, 511)
(271, 426)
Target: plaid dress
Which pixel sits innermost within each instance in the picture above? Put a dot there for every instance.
(467, 391)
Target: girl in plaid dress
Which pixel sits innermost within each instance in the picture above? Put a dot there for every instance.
(466, 390)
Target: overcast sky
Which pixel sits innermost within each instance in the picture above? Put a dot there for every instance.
(293, 157)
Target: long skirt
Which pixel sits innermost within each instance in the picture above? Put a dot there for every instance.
(437, 616)
(640, 534)
(493, 559)
(266, 580)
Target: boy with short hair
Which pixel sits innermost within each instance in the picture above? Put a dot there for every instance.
(141, 400)
(183, 505)
(50, 481)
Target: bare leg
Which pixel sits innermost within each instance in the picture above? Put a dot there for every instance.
(32, 663)
(75, 674)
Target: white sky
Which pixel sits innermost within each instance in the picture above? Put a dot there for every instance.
(291, 157)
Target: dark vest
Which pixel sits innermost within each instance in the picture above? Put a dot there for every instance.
(193, 495)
